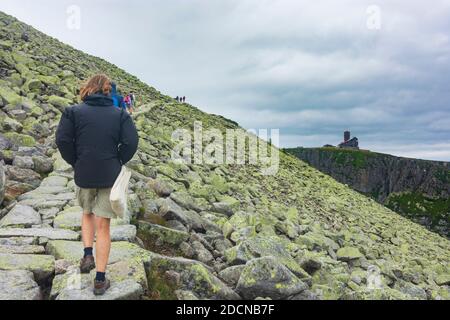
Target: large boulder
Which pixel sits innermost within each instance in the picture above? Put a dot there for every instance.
(15, 189)
(59, 102)
(443, 279)
(41, 266)
(8, 124)
(125, 232)
(23, 175)
(232, 274)
(5, 143)
(45, 191)
(168, 236)
(23, 162)
(21, 139)
(18, 241)
(69, 219)
(264, 246)
(42, 164)
(9, 96)
(55, 181)
(127, 270)
(410, 289)
(201, 253)
(348, 254)
(59, 164)
(32, 85)
(266, 277)
(22, 249)
(48, 233)
(18, 285)
(227, 206)
(171, 211)
(21, 216)
(168, 274)
(186, 201)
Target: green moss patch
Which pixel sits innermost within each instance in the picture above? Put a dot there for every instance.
(416, 205)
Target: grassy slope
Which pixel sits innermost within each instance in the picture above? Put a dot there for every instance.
(298, 194)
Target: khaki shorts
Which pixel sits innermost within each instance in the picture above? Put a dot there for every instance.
(95, 201)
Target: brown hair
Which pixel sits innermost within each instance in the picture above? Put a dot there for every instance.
(99, 83)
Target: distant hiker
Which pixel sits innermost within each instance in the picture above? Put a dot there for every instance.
(178, 99)
(118, 100)
(128, 104)
(96, 139)
(133, 99)
(184, 99)
(25, 37)
(132, 102)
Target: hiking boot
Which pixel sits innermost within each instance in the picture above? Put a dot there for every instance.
(100, 287)
(87, 264)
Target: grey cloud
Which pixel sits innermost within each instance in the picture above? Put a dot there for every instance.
(312, 69)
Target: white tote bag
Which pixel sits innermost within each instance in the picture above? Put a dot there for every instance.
(118, 197)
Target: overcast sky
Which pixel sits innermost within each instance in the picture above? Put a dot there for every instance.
(310, 68)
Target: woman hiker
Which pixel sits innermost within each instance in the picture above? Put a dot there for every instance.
(96, 138)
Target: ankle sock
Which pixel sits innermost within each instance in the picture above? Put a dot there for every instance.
(87, 252)
(100, 276)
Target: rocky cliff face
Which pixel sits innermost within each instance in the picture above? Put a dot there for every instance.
(194, 231)
(418, 189)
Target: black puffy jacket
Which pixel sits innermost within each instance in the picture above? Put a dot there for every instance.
(96, 138)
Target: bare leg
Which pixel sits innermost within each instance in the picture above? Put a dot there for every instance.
(88, 229)
(103, 243)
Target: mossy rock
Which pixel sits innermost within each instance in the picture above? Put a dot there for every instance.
(69, 219)
(32, 85)
(348, 254)
(59, 102)
(219, 183)
(9, 96)
(23, 70)
(200, 190)
(60, 164)
(194, 277)
(37, 112)
(266, 277)
(42, 266)
(8, 124)
(443, 279)
(49, 80)
(264, 246)
(15, 79)
(6, 45)
(160, 239)
(23, 59)
(21, 139)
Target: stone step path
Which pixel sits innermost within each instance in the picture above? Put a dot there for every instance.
(40, 250)
(40, 247)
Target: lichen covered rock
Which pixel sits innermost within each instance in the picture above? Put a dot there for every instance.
(18, 285)
(266, 277)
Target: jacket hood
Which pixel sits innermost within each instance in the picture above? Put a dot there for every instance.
(98, 100)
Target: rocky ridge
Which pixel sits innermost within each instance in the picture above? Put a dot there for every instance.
(194, 231)
(417, 189)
